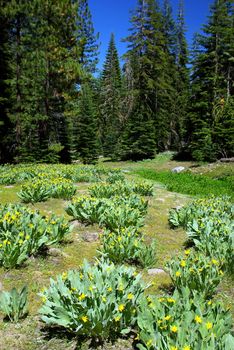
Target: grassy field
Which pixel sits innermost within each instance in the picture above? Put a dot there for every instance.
(30, 333)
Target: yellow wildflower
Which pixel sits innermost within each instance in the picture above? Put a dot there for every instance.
(121, 307)
(174, 329)
(84, 319)
(178, 274)
(82, 296)
(130, 296)
(171, 300)
(183, 263)
(109, 289)
(117, 318)
(214, 262)
(209, 325)
(167, 318)
(149, 342)
(198, 319)
(186, 347)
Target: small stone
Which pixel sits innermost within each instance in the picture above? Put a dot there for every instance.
(178, 207)
(55, 252)
(9, 186)
(90, 236)
(178, 169)
(155, 271)
(75, 224)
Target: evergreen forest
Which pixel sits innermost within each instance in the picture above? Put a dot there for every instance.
(56, 107)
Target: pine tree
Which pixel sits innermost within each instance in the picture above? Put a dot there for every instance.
(5, 125)
(181, 82)
(212, 83)
(42, 76)
(110, 101)
(149, 58)
(87, 38)
(86, 144)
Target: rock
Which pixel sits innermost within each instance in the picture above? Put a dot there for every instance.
(227, 160)
(75, 224)
(90, 236)
(1, 286)
(178, 207)
(55, 252)
(178, 169)
(155, 271)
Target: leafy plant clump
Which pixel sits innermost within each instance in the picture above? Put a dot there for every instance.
(183, 321)
(128, 245)
(197, 272)
(24, 232)
(41, 189)
(111, 213)
(209, 226)
(14, 304)
(107, 190)
(97, 301)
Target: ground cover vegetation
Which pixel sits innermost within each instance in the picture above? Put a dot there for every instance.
(103, 300)
(56, 107)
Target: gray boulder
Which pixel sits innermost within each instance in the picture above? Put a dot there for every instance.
(178, 169)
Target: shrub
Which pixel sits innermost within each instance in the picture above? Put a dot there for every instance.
(127, 245)
(113, 214)
(24, 232)
(96, 301)
(209, 226)
(37, 191)
(14, 304)
(183, 321)
(42, 189)
(106, 190)
(195, 271)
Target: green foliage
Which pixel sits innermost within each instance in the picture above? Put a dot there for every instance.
(14, 304)
(209, 225)
(115, 177)
(106, 190)
(197, 272)
(128, 245)
(85, 143)
(110, 102)
(24, 232)
(197, 185)
(182, 321)
(110, 213)
(212, 86)
(37, 191)
(41, 190)
(97, 301)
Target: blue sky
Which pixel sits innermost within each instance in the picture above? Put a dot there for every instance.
(113, 16)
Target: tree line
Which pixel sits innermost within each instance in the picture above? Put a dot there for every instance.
(55, 108)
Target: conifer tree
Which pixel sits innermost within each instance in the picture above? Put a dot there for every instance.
(212, 84)
(5, 125)
(42, 76)
(151, 81)
(86, 144)
(87, 38)
(110, 101)
(181, 82)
